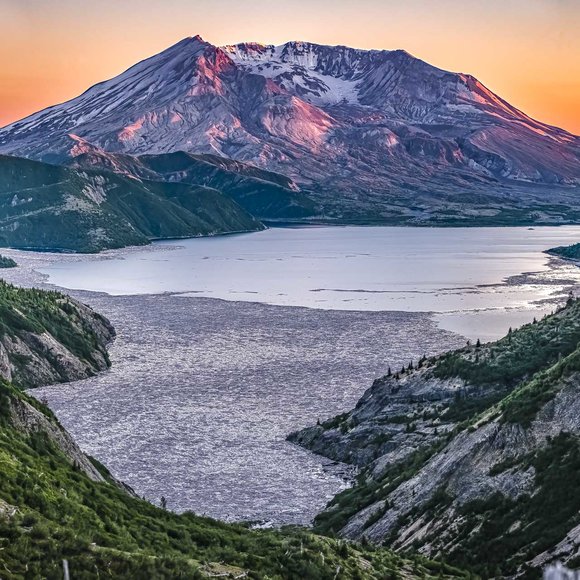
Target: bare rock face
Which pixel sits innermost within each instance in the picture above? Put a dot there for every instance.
(7, 511)
(31, 359)
(372, 134)
(48, 361)
(392, 419)
(28, 419)
(465, 470)
(5, 367)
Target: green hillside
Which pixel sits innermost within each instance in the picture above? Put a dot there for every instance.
(57, 208)
(47, 337)
(570, 252)
(472, 455)
(264, 194)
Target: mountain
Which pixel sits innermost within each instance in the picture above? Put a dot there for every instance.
(369, 135)
(473, 455)
(44, 206)
(57, 503)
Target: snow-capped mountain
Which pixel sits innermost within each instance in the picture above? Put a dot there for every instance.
(391, 81)
(371, 132)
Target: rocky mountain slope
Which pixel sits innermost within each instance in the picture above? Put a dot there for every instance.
(57, 503)
(472, 455)
(44, 206)
(376, 136)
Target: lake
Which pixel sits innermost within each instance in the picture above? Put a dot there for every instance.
(227, 344)
(501, 274)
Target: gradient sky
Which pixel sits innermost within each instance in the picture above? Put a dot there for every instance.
(528, 51)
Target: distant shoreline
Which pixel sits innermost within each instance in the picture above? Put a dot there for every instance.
(570, 253)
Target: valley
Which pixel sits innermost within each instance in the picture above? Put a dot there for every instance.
(204, 387)
(61, 509)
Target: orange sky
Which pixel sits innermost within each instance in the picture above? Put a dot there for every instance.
(528, 51)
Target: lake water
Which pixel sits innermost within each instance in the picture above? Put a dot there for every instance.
(225, 345)
(453, 272)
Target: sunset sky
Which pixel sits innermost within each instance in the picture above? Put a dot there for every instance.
(528, 51)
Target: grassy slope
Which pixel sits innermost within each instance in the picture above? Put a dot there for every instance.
(263, 193)
(25, 311)
(48, 207)
(521, 353)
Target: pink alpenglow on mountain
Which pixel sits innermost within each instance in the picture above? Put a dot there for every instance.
(371, 135)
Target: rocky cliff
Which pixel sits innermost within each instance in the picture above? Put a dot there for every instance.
(472, 456)
(47, 337)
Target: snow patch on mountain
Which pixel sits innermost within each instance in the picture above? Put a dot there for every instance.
(295, 70)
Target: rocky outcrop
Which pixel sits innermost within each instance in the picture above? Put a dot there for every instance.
(394, 418)
(31, 359)
(476, 465)
(29, 419)
(47, 337)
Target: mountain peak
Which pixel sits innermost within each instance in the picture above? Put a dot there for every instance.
(190, 40)
(187, 42)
